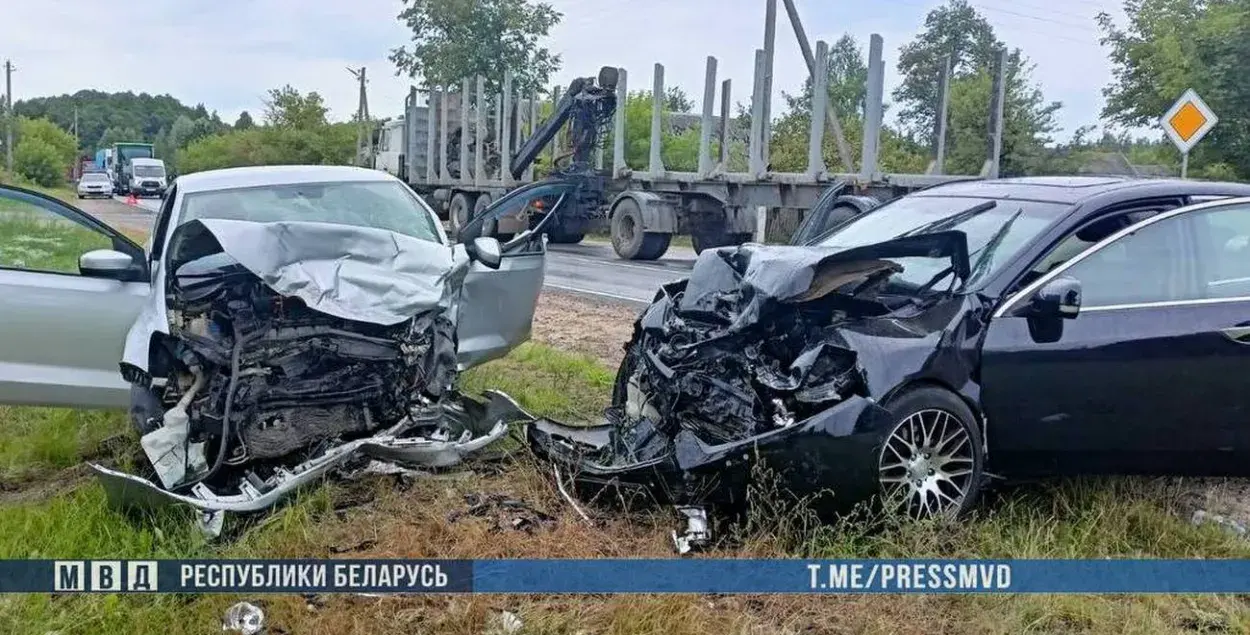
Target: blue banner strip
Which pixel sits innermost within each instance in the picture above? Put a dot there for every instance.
(699, 575)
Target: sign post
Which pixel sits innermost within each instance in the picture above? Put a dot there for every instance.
(1186, 122)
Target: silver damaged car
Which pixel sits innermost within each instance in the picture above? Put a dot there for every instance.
(279, 321)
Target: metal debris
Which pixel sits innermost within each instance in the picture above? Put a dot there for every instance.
(507, 512)
(244, 618)
(506, 623)
(210, 523)
(697, 534)
(568, 497)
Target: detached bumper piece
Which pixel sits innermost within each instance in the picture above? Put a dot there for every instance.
(436, 437)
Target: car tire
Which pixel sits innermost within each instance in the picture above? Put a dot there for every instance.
(932, 449)
(629, 241)
(460, 211)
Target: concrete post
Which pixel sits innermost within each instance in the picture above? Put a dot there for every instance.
(705, 128)
(656, 164)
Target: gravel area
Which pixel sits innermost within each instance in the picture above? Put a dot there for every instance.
(582, 324)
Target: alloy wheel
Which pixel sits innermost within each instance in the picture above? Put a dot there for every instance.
(927, 465)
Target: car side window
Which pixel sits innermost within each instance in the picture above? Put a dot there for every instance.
(35, 237)
(1151, 264)
(512, 212)
(1089, 235)
(1223, 240)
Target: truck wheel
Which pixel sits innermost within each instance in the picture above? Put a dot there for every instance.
(561, 237)
(628, 238)
(459, 211)
(713, 239)
(480, 205)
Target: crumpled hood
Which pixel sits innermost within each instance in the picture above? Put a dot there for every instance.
(355, 273)
(757, 274)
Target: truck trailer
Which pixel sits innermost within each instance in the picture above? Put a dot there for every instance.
(459, 169)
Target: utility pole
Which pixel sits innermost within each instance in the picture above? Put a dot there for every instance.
(364, 136)
(8, 115)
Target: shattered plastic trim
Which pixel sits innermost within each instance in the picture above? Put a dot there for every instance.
(128, 490)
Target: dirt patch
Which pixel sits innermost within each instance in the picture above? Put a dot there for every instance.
(36, 488)
(571, 322)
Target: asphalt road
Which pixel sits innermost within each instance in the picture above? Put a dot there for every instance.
(590, 268)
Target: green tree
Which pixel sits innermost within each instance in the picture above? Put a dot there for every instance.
(244, 121)
(956, 29)
(330, 144)
(39, 162)
(455, 39)
(1169, 46)
(848, 80)
(143, 114)
(120, 135)
(676, 100)
(42, 151)
(288, 108)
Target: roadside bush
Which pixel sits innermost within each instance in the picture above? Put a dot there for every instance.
(42, 152)
(38, 161)
(332, 144)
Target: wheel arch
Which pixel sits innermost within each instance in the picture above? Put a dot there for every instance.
(658, 214)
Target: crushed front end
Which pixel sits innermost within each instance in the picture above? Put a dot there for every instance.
(755, 361)
(271, 374)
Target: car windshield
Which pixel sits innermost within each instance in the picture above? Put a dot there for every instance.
(379, 205)
(154, 171)
(996, 229)
(95, 177)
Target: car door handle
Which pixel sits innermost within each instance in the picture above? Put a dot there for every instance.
(1239, 334)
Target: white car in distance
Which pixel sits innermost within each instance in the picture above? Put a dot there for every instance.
(95, 184)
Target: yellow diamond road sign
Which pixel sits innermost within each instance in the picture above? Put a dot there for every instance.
(1188, 120)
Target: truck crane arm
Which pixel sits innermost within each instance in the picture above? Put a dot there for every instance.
(590, 106)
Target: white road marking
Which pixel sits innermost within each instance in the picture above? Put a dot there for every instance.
(594, 292)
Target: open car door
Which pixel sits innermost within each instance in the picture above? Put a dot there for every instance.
(830, 210)
(497, 305)
(70, 287)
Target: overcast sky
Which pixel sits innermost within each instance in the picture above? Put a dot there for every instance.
(227, 53)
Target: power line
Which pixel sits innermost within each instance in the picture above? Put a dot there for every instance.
(1038, 18)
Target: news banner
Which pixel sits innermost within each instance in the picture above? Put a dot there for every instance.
(720, 576)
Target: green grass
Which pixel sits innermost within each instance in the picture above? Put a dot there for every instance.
(547, 381)
(34, 441)
(34, 239)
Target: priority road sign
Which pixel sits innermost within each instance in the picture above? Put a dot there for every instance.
(1188, 120)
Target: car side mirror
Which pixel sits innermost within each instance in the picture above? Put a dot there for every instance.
(106, 263)
(1059, 298)
(486, 250)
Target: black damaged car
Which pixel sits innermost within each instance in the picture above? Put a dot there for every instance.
(1017, 327)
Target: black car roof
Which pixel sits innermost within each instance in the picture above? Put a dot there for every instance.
(1074, 189)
